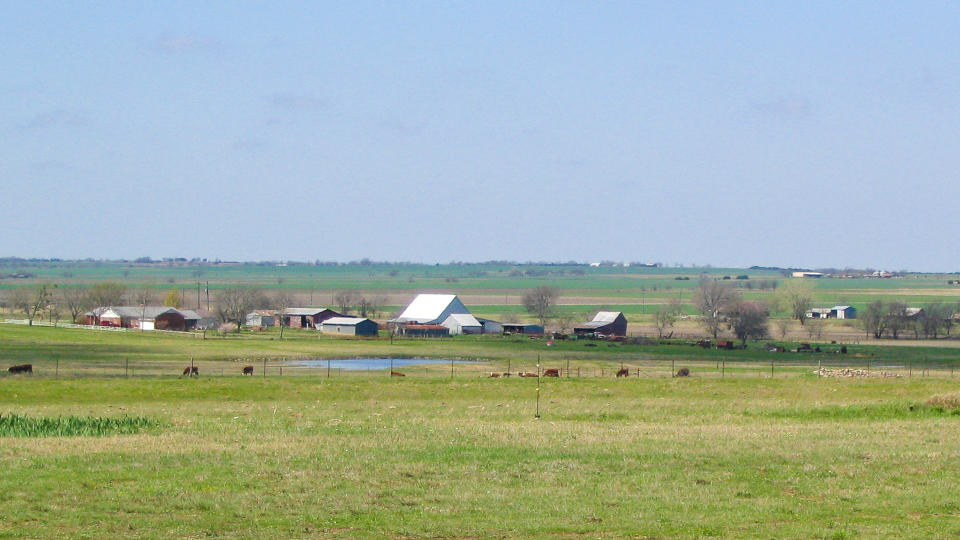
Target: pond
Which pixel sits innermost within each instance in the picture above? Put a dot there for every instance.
(359, 364)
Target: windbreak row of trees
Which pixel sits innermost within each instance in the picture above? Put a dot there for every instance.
(894, 319)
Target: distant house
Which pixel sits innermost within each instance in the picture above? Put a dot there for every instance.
(915, 313)
(517, 328)
(606, 323)
(349, 326)
(431, 309)
(262, 318)
(308, 317)
(835, 312)
(803, 274)
(422, 330)
(818, 313)
(199, 319)
(463, 323)
(141, 317)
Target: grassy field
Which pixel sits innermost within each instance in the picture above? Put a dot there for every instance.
(311, 457)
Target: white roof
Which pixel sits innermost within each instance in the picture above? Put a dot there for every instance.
(606, 316)
(841, 308)
(463, 319)
(345, 321)
(432, 308)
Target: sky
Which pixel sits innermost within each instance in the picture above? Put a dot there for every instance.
(803, 134)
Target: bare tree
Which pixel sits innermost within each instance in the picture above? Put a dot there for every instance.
(233, 303)
(107, 294)
(896, 318)
(344, 300)
(282, 303)
(32, 301)
(565, 320)
(709, 299)
(783, 326)
(746, 319)
(873, 319)
(540, 302)
(815, 328)
(796, 297)
(142, 296)
(77, 300)
(666, 316)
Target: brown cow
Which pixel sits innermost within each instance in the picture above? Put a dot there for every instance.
(494, 375)
(248, 370)
(396, 374)
(22, 368)
(526, 374)
(683, 372)
(552, 372)
(623, 372)
(191, 371)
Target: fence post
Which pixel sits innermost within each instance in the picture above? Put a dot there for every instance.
(771, 369)
(673, 364)
(57, 372)
(910, 368)
(451, 369)
(126, 368)
(819, 367)
(723, 368)
(264, 367)
(328, 368)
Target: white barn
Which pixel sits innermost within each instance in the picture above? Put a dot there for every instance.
(463, 323)
(432, 309)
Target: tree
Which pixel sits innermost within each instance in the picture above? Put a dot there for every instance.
(173, 299)
(107, 294)
(896, 318)
(540, 302)
(873, 319)
(565, 321)
(344, 300)
(233, 303)
(746, 319)
(31, 301)
(796, 297)
(783, 326)
(709, 299)
(77, 300)
(142, 296)
(282, 303)
(934, 319)
(665, 317)
(815, 328)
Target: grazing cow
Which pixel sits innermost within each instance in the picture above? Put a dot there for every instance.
(494, 375)
(683, 372)
(248, 370)
(396, 374)
(191, 371)
(506, 373)
(526, 374)
(623, 372)
(22, 368)
(552, 372)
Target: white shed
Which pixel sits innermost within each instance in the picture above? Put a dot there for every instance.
(463, 323)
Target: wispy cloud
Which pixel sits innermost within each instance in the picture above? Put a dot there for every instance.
(296, 101)
(55, 118)
(785, 107)
(185, 43)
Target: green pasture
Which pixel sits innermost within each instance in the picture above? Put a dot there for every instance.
(309, 457)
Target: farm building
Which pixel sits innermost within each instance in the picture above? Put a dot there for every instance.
(422, 330)
(915, 313)
(802, 274)
(519, 328)
(262, 317)
(349, 326)
(142, 317)
(199, 319)
(463, 323)
(491, 326)
(431, 309)
(836, 312)
(607, 323)
(307, 317)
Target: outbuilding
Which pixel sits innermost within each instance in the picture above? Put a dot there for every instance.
(518, 328)
(463, 323)
(431, 309)
(605, 323)
(349, 326)
(141, 317)
(308, 317)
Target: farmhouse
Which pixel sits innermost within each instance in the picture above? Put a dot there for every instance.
(199, 319)
(349, 326)
(142, 317)
(606, 323)
(307, 317)
(431, 309)
(463, 323)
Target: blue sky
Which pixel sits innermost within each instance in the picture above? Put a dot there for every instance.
(821, 134)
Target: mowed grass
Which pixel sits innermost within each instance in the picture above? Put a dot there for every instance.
(385, 458)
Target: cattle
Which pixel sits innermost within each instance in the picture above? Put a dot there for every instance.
(683, 372)
(396, 374)
(552, 372)
(623, 372)
(526, 374)
(506, 373)
(22, 368)
(248, 370)
(494, 375)
(191, 371)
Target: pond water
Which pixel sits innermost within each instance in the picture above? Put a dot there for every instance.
(371, 363)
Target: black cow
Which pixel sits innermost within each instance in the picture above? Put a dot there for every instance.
(22, 368)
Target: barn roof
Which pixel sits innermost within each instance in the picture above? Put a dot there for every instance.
(464, 319)
(606, 316)
(308, 311)
(345, 321)
(432, 308)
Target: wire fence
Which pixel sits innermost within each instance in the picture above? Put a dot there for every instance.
(640, 368)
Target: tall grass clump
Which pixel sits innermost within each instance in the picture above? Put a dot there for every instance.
(15, 425)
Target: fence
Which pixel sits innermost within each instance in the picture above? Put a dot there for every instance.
(641, 368)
